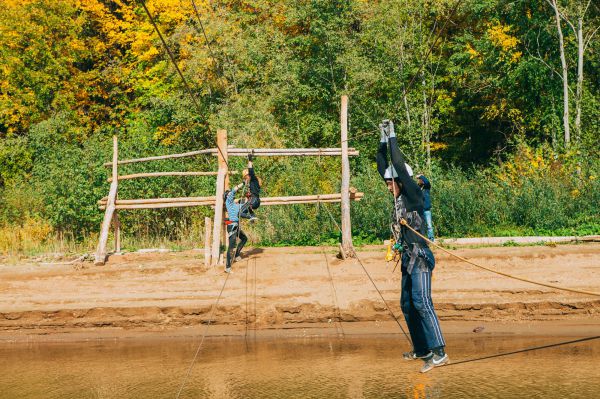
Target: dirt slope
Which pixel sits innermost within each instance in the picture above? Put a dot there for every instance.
(288, 287)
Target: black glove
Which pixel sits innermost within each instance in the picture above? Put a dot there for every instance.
(251, 156)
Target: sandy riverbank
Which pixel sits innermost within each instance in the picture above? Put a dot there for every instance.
(277, 291)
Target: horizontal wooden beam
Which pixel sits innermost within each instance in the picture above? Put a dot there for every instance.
(242, 152)
(164, 205)
(289, 152)
(170, 156)
(154, 203)
(159, 174)
(160, 200)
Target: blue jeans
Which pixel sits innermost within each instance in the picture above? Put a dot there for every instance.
(429, 222)
(417, 307)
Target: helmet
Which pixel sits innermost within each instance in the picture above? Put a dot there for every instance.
(390, 172)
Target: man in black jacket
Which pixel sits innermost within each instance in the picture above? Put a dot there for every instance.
(253, 194)
(417, 259)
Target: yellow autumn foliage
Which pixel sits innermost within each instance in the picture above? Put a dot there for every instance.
(17, 238)
(528, 162)
(437, 146)
(500, 36)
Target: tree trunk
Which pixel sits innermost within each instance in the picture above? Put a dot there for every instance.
(565, 75)
(426, 124)
(579, 95)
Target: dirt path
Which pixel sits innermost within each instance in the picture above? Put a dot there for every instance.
(289, 287)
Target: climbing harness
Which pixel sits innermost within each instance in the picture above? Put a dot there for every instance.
(394, 251)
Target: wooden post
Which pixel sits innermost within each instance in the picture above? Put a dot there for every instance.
(347, 246)
(100, 257)
(207, 228)
(222, 180)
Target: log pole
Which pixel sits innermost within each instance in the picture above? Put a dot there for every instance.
(347, 246)
(162, 174)
(100, 257)
(220, 190)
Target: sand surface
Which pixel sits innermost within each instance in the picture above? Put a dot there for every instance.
(293, 289)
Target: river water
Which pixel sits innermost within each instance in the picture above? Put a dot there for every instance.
(328, 368)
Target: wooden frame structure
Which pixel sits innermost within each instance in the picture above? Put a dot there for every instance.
(212, 248)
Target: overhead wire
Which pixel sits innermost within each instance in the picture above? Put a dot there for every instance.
(189, 371)
(389, 309)
(421, 64)
(336, 305)
(534, 348)
(172, 58)
(208, 45)
(437, 36)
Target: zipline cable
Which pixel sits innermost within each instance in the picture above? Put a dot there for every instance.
(404, 223)
(438, 35)
(534, 348)
(421, 64)
(210, 50)
(333, 289)
(239, 229)
(202, 340)
(172, 58)
(335, 298)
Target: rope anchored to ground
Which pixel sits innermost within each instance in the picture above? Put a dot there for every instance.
(404, 223)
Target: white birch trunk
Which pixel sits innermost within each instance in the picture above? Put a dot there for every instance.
(579, 95)
(565, 74)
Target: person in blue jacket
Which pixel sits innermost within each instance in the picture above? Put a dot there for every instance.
(425, 185)
(233, 228)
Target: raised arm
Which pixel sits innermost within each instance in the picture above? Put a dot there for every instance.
(397, 158)
(231, 196)
(382, 163)
(251, 165)
(381, 157)
(409, 187)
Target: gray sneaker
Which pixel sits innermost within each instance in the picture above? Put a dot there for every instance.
(434, 361)
(413, 356)
(228, 270)
(238, 259)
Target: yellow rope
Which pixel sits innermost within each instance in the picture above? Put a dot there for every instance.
(404, 223)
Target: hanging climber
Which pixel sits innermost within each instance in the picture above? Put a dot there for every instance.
(416, 259)
(252, 200)
(234, 231)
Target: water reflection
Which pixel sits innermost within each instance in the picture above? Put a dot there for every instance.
(309, 368)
